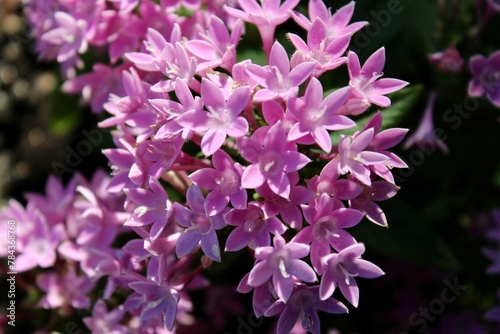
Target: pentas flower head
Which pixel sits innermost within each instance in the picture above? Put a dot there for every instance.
(327, 219)
(97, 86)
(221, 119)
(265, 17)
(172, 110)
(365, 201)
(63, 289)
(326, 55)
(41, 244)
(277, 78)
(253, 227)
(354, 159)
(303, 306)
(448, 61)
(104, 322)
(486, 80)
(315, 115)
(337, 24)
(216, 47)
(158, 302)
(288, 209)
(339, 269)
(69, 35)
(328, 182)
(152, 207)
(367, 87)
(271, 157)
(200, 227)
(381, 142)
(225, 182)
(281, 263)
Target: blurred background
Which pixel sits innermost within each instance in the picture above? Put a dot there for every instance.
(433, 250)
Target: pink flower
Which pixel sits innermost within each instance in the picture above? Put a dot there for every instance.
(315, 115)
(381, 142)
(152, 207)
(265, 17)
(172, 110)
(486, 80)
(69, 35)
(216, 47)
(271, 157)
(158, 302)
(41, 244)
(281, 262)
(97, 85)
(253, 226)
(364, 202)
(63, 289)
(448, 61)
(221, 119)
(276, 78)
(104, 322)
(367, 87)
(225, 182)
(288, 209)
(354, 159)
(341, 268)
(327, 218)
(199, 226)
(303, 306)
(336, 24)
(328, 182)
(327, 55)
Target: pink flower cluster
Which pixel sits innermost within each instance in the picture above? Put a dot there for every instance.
(235, 141)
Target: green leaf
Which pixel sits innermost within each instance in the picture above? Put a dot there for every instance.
(65, 114)
(402, 103)
(409, 237)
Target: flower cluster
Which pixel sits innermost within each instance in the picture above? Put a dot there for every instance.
(233, 140)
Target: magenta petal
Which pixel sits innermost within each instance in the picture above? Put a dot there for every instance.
(252, 177)
(375, 63)
(302, 271)
(215, 203)
(327, 285)
(260, 273)
(279, 58)
(205, 178)
(294, 161)
(264, 95)
(350, 291)
(380, 100)
(279, 184)
(239, 199)
(238, 239)
(323, 139)
(346, 218)
(239, 128)
(187, 241)
(388, 85)
(212, 141)
(195, 199)
(300, 73)
(288, 319)
(210, 246)
(283, 286)
(362, 141)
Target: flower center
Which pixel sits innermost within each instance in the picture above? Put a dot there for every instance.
(270, 163)
(325, 228)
